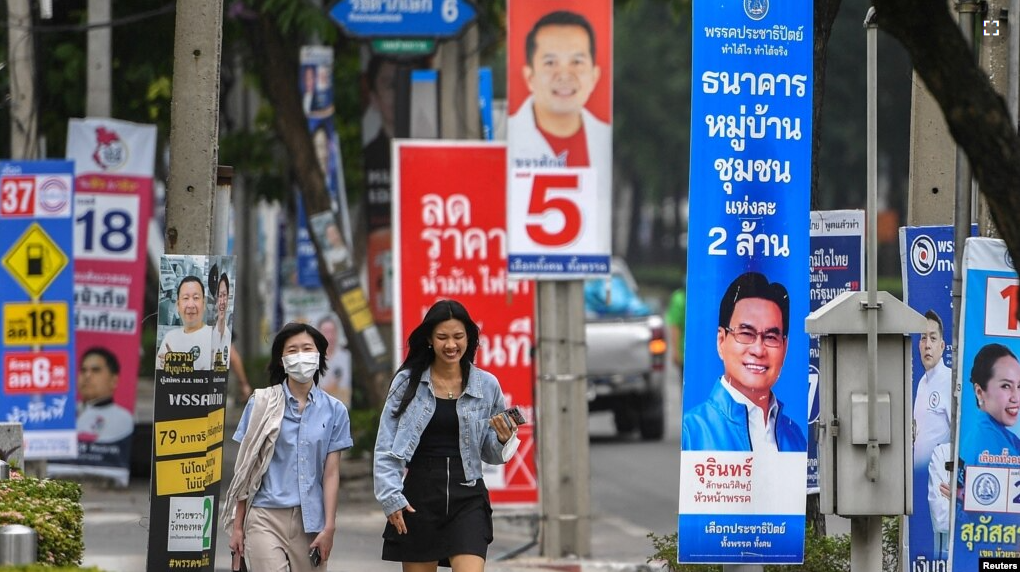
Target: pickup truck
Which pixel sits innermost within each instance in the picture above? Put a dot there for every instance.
(626, 354)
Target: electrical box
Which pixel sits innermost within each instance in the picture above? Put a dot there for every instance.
(847, 488)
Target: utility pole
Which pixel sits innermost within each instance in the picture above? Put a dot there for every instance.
(21, 66)
(458, 87)
(194, 127)
(97, 74)
(564, 464)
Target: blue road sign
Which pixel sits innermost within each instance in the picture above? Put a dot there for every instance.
(403, 18)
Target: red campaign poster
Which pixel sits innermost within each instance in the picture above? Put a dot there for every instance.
(449, 206)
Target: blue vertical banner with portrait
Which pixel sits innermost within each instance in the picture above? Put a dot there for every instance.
(837, 266)
(743, 442)
(316, 86)
(927, 264)
(986, 517)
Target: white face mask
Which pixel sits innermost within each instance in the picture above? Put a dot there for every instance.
(301, 367)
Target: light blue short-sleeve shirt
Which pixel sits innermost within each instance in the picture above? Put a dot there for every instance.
(294, 476)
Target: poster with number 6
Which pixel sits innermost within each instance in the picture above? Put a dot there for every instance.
(986, 478)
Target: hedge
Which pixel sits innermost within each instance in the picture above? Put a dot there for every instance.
(53, 509)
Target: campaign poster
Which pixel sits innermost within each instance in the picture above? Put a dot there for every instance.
(744, 414)
(311, 306)
(450, 242)
(192, 363)
(837, 266)
(927, 264)
(986, 477)
(114, 164)
(559, 139)
(36, 309)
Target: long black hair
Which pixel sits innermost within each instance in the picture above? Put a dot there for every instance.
(420, 354)
(277, 374)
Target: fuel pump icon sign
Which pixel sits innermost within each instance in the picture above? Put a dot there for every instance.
(34, 256)
(34, 260)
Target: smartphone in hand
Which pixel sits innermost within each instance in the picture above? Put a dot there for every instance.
(515, 414)
(315, 557)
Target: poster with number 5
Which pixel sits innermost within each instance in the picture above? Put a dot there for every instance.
(559, 138)
(987, 475)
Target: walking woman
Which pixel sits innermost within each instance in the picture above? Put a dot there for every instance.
(281, 505)
(443, 417)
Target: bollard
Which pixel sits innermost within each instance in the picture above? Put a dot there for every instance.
(5, 470)
(17, 544)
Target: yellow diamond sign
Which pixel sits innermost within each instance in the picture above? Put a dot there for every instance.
(35, 260)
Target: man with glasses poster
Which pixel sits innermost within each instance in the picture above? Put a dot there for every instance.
(741, 412)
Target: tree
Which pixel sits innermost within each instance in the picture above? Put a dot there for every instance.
(976, 114)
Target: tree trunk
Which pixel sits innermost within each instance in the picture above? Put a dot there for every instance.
(279, 76)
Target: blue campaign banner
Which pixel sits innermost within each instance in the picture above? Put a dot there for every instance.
(37, 305)
(837, 266)
(393, 19)
(986, 479)
(485, 102)
(927, 263)
(744, 414)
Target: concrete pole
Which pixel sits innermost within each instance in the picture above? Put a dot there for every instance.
(865, 543)
(458, 88)
(97, 74)
(932, 160)
(194, 127)
(21, 66)
(564, 470)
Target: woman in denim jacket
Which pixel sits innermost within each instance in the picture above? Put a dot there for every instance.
(443, 417)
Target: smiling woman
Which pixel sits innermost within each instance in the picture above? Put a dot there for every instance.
(995, 378)
(439, 513)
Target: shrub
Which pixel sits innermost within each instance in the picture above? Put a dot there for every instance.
(364, 426)
(51, 508)
(45, 568)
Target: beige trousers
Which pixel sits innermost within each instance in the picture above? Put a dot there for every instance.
(275, 541)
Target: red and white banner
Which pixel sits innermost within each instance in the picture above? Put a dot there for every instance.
(449, 210)
(114, 163)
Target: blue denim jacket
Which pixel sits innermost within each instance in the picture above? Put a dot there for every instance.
(398, 436)
(720, 424)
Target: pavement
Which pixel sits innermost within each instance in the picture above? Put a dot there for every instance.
(116, 529)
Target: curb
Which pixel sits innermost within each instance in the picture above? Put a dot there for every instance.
(537, 564)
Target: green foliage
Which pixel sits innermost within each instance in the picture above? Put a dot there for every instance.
(364, 426)
(53, 509)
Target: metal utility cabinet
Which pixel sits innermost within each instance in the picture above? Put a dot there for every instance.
(865, 468)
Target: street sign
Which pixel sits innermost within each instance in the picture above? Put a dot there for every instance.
(391, 19)
(403, 46)
(35, 260)
(35, 323)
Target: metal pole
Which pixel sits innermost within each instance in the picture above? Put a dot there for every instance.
(564, 471)
(221, 209)
(962, 222)
(97, 74)
(865, 543)
(872, 245)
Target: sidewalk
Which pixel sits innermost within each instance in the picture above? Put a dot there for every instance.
(116, 529)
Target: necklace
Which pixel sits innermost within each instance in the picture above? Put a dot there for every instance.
(450, 386)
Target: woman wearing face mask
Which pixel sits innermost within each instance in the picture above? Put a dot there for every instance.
(443, 417)
(995, 378)
(281, 504)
